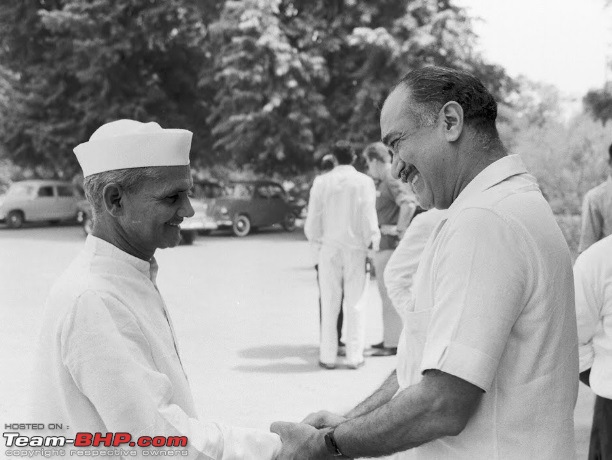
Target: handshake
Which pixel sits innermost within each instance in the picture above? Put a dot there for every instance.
(306, 440)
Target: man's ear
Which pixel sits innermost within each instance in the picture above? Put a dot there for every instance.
(452, 120)
(113, 195)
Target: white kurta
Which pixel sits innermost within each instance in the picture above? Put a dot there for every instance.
(108, 360)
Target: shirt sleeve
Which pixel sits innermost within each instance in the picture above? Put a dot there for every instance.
(313, 227)
(370, 222)
(592, 224)
(111, 363)
(588, 307)
(481, 278)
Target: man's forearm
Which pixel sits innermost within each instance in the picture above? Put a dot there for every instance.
(421, 413)
(381, 396)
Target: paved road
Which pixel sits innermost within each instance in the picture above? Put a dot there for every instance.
(245, 312)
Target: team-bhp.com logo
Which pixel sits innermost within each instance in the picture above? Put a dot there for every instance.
(14, 439)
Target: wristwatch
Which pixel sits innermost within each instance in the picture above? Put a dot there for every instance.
(332, 445)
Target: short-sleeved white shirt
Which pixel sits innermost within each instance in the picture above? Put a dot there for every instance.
(593, 282)
(494, 305)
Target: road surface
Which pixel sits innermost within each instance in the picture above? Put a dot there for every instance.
(246, 315)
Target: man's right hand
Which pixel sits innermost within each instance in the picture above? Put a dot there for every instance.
(324, 419)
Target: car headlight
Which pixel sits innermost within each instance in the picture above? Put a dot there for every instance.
(223, 210)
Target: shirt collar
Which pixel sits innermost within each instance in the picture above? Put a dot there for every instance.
(343, 167)
(98, 246)
(493, 174)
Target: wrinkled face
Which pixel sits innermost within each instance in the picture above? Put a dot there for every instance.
(153, 213)
(418, 152)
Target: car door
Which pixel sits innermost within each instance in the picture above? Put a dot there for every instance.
(261, 214)
(66, 205)
(278, 204)
(41, 206)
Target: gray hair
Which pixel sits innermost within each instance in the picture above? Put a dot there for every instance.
(130, 180)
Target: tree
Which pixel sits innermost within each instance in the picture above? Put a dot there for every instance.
(598, 103)
(91, 62)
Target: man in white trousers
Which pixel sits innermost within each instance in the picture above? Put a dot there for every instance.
(342, 220)
(108, 358)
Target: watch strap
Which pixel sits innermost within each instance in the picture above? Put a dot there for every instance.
(332, 445)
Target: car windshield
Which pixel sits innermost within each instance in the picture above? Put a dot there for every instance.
(206, 190)
(20, 191)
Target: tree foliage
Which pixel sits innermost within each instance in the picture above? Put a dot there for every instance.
(265, 83)
(598, 104)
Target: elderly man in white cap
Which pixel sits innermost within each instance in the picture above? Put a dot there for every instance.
(108, 360)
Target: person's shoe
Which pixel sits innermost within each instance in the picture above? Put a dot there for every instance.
(355, 365)
(384, 351)
(327, 366)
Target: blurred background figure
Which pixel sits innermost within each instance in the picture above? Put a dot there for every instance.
(593, 286)
(342, 221)
(395, 207)
(329, 162)
(597, 211)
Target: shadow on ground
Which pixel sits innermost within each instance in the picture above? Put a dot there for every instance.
(288, 359)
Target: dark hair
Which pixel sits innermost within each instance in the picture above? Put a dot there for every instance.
(378, 151)
(343, 152)
(328, 162)
(431, 87)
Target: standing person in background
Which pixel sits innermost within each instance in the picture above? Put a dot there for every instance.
(328, 162)
(593, 285)
(597, 211)
(403, 264)
(342, 220)
(395, 206)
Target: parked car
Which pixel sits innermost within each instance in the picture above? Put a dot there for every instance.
(38, 200)
(190, 227)
(243, 206)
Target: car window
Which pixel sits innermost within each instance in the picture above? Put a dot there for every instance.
(65, 190)
(263, 191)
(45, 191)
(20, 191)
(276, 191)
(243, 191)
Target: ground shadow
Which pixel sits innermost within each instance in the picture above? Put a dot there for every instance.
(288, 359)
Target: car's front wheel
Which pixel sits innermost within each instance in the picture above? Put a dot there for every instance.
(241, 225)
(15, 219)
(289, 222)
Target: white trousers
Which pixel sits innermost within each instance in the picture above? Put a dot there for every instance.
(392, 323)
(342, 269)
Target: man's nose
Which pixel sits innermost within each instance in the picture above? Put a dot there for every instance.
(186, 210)
(397, 165)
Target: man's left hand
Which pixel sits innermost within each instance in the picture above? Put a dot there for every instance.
(300, 442)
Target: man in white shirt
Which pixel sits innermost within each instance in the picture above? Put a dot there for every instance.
(593, 285)
(488, 358)
(403, 264)
(342, 220)
(108, 360)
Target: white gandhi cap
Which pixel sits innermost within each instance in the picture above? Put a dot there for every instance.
(126, 144)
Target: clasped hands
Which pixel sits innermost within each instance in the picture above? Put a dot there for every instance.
(305, 440)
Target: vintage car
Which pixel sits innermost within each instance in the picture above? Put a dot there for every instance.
(190, 227)
(244, 206)
(38, 200)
